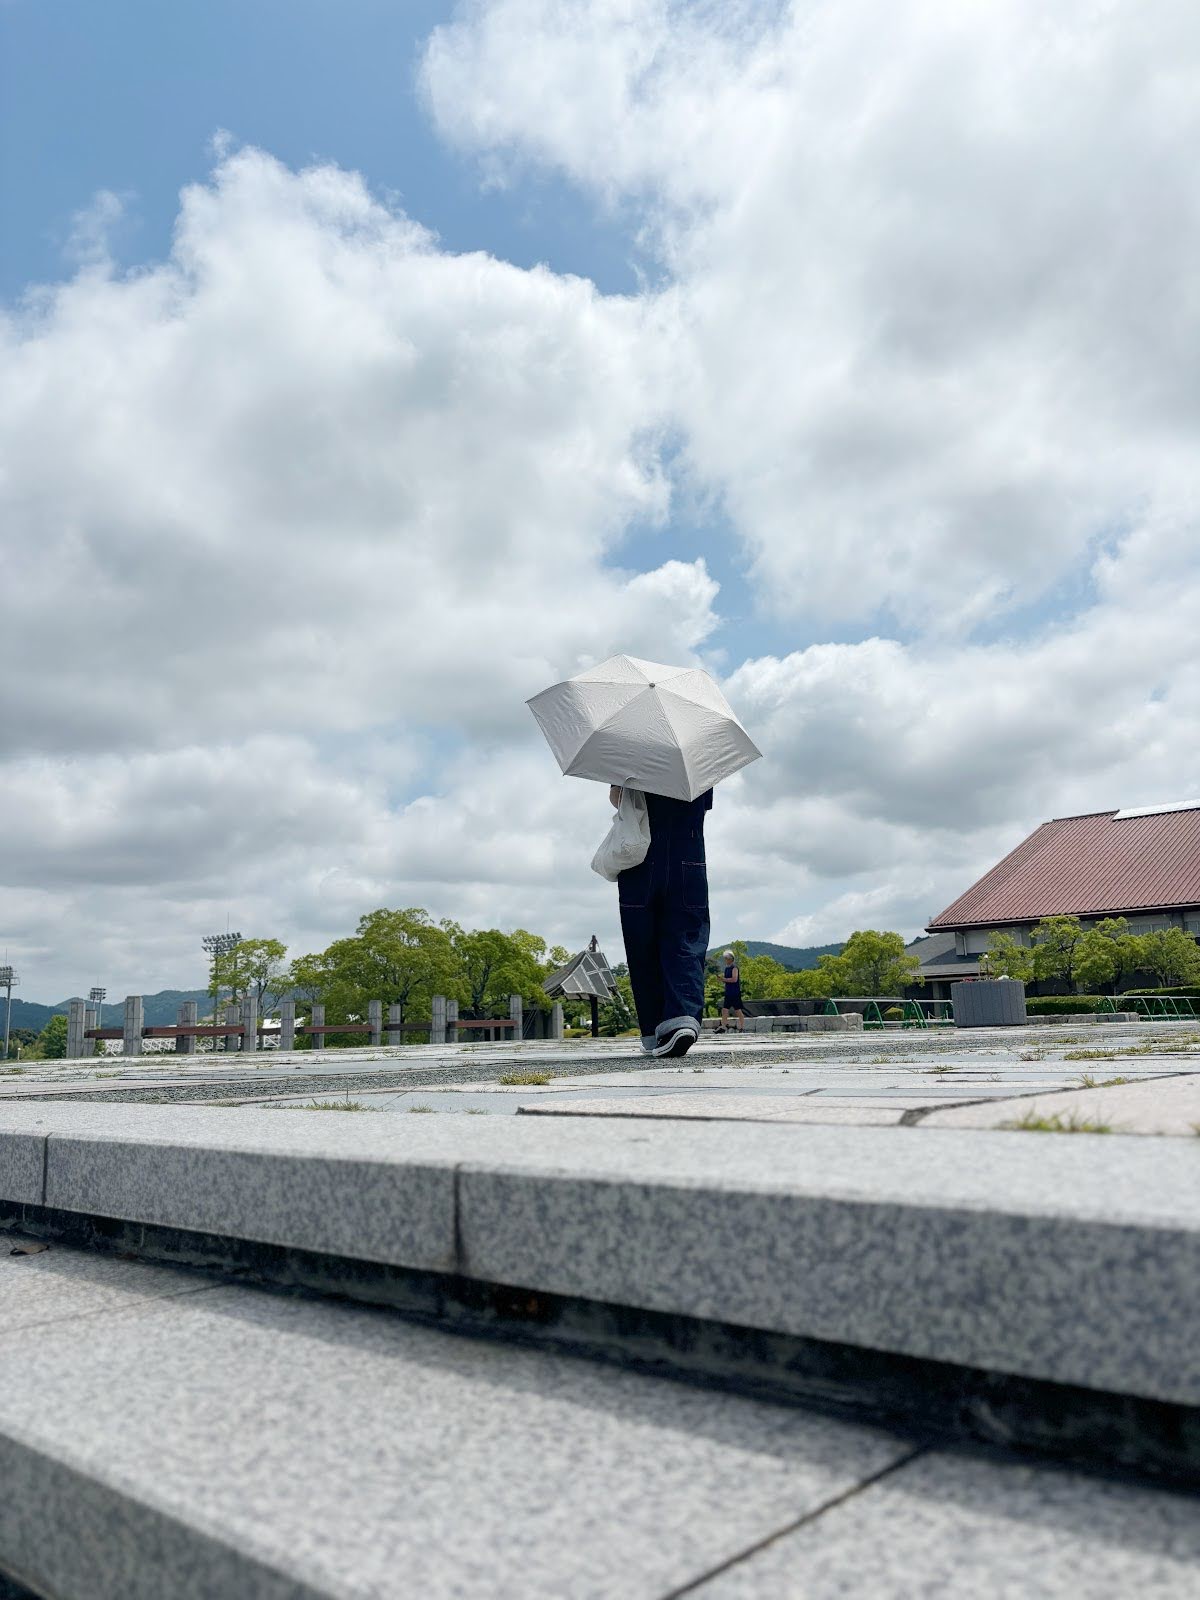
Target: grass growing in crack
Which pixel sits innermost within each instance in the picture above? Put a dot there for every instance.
(416, 1111)
(1088, 1082)
(524, 1080)
(332, 1105)
(942, 1068)
(1057, 1123)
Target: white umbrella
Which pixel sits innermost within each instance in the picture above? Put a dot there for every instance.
(667, 730)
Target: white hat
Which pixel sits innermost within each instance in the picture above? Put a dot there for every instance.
(729, 953)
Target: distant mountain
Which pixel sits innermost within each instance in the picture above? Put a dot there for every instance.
(160, 1010)
(27, 1014)
(795, 959)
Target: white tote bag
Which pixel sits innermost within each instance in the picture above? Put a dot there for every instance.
(626, 842)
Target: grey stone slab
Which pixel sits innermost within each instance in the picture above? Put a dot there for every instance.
(955, 1524)
(1169, 1106)
(240, 1443)
(309, 1181)
(58, 1285)
(1076, 1261)
(22, 1153)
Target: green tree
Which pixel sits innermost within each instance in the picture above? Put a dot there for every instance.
(262, 972)
(762, 977)
(1097, 961)
(1171, 955)
(1055, 941)
(309, 977)
(493, 965)
(52, 1041)
(871, 963)
(1007, 957)
(619, 1014)
(399, 957)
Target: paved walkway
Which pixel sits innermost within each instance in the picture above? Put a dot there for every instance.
(169, 1433)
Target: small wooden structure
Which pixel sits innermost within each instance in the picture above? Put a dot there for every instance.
(586, 976)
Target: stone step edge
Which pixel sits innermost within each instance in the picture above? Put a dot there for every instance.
(931, 1402)
(991, 1287)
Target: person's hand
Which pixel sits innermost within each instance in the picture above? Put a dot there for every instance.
(614, 794)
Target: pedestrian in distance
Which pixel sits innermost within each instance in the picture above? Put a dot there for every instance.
(665, 920)
(732, 976)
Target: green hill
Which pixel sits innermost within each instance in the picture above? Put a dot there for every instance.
(161, 1009)
(790, 956)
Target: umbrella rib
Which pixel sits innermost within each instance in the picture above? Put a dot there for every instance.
(643, 689)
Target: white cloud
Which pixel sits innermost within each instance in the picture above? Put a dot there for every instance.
(931, 267)
(275, 506)
(300, 516)
(312, 472)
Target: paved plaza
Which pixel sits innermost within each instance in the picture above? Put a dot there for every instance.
(890, 1314)
(1120, 1077)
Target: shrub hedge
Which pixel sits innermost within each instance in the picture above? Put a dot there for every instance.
(1056, 1005)
(1188, 990)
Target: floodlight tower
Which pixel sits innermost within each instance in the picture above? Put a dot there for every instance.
(218, 945)
(7, 978)
(96, 999)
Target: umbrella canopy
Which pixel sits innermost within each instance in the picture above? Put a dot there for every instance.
(667, 730)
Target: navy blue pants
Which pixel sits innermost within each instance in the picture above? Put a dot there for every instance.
(664, 917)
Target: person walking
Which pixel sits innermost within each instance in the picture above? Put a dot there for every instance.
(732, 976)
(665, 920)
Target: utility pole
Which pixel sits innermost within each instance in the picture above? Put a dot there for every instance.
(7, 978)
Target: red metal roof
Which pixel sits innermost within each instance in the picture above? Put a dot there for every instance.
(1086, 866)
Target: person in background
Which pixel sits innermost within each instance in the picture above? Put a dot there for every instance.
(664, 917)
(733, 992)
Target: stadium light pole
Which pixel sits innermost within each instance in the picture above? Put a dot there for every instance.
(218, 945)
(7, 978)
(96, 996)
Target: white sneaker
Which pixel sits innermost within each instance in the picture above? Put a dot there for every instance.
(648, 1043)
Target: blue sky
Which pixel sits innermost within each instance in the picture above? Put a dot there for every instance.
(127, 95)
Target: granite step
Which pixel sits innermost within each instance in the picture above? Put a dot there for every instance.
(168, 1436)
(874, 1258)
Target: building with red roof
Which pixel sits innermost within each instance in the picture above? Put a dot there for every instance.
(1142, 863)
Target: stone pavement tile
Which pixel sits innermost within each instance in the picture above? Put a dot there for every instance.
(720, 1106)
(59, 1284)
(239, 1443)
(1153, 1106)
(955, 1524)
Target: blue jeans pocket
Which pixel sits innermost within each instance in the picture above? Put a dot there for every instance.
(695, 885)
